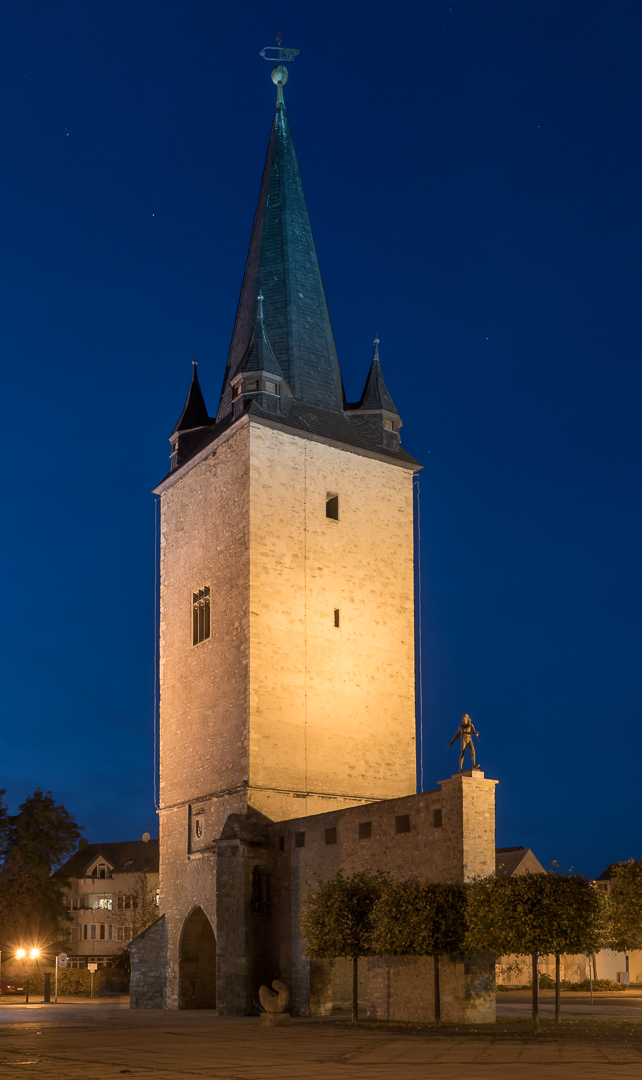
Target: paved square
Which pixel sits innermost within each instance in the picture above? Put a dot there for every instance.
(103, 1041)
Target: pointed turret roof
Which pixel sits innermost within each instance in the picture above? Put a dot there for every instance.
(194, 414)
(375, 393)
(259, 355)
(282, 264)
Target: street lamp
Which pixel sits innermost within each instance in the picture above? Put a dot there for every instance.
(33, 956)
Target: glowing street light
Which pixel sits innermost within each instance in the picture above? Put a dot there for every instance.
(21, 954)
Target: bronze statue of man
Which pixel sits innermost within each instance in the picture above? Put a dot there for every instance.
(465, 732)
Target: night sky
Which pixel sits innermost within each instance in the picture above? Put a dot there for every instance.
(473, 176)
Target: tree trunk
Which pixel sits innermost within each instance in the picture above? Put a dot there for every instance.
(355, 989)
(435, 961)
(535, 993)
(557, 988)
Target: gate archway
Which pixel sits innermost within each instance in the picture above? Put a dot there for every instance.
(197, 963)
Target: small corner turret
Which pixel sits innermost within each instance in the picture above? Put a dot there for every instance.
(192, 426)
(376, 412)
(259, 378)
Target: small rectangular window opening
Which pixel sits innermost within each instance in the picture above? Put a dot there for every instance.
(270, 386)
(332, 506)
(336, 616)
(200, 615)
(388, 425)
(299, 839)
(365, 830)
(237, 391)
(402, 823)
(436, 819)
(330, 836)
(281, 843)
(252, 385)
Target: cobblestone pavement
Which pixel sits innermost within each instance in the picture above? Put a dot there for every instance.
(104, 1041)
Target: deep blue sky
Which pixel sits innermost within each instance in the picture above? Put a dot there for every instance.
(473, 175)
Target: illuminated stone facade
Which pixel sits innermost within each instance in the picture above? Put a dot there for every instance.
(287, 638)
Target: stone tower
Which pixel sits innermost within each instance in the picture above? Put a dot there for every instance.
(286, 579)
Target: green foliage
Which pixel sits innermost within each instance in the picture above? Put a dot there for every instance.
(529, 913)
(34, 843)
(546, 983)
(625, 902)
(419, 918)
(337, 915)
(74, 982)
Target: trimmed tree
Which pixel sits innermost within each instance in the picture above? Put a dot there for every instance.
(337, 920)
(536, 913)
(625, 906)
(421, 918)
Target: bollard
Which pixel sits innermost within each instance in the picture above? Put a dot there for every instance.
(47, 996)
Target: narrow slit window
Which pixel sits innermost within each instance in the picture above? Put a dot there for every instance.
(200, 615)
(330, 836)
(332, 506)
(237, 391)
(281, 843)
(299, 839)
(336, 616)
(436, 819)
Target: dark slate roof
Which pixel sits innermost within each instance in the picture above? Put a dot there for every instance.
(610, 872)
(194, 414)
(290, 333)
(258, 355)
(144, 858)
(511, 860)
(375, 393)
(282, 264)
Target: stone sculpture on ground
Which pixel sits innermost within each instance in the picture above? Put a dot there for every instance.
(275, 1002)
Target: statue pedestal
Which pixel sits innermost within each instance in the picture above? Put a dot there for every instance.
(275, 1019)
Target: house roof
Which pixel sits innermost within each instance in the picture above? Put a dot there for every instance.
(516, 860)
(143, 857)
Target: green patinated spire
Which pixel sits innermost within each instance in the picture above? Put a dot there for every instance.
(282, 264)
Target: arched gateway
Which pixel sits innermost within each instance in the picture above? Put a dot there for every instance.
(197, 964)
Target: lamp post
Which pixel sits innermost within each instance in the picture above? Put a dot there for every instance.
(61, 961)
(33, 956)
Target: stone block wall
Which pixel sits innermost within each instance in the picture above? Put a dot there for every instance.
(148, 988)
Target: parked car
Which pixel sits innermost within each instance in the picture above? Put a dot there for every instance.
(11, 988)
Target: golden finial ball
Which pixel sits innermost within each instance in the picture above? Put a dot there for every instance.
(279, 75)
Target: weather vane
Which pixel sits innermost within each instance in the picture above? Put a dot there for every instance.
(276, 52)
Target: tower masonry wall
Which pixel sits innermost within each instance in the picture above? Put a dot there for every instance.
(204, 690)
(332, 707)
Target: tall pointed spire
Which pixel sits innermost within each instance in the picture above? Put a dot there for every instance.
(282, 264)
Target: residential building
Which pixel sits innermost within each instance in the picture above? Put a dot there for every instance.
(112, 894)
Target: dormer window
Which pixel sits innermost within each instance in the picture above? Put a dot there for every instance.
(252, 385)
(388, 424)
(237, 390)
